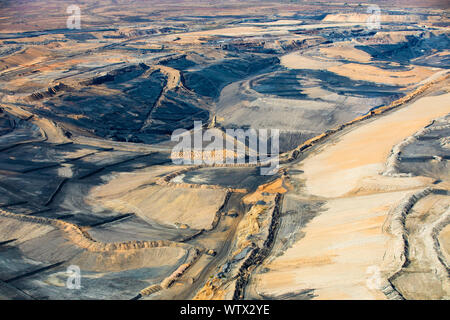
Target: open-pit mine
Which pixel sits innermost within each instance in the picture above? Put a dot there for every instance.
(96, 204)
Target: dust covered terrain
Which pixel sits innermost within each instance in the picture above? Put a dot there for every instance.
(357, 209)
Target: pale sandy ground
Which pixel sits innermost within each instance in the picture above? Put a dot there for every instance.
(344, 246)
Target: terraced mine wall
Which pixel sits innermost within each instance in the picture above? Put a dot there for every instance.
(168, 281)
(258, 255)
